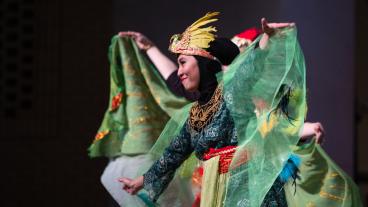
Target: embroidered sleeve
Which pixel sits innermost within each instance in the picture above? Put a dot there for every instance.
(163, 170)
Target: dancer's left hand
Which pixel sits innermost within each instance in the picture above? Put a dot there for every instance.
(319, 132)
(313, 130)
(269, 29)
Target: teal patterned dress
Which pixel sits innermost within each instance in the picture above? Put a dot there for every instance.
(219, 133)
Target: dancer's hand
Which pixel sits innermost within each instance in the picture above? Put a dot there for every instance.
(132, 186)
(269, 29)
(313, 129)
(164, 65)
(142, 41)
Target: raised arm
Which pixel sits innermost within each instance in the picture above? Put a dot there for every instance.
(312, 130)
(269, 29)
(163, 64)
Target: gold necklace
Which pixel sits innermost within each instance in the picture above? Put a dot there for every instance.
(201, 115)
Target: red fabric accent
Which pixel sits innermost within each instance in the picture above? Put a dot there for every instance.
(200, 170)
(197, 176)
(249, 34)
(197, 200)
(215, 152)
(116, 101)
(226, 155)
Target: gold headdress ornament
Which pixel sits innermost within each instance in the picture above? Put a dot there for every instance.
(195, 39)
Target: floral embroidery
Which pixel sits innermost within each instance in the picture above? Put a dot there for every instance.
(101, 135)
(116, 101)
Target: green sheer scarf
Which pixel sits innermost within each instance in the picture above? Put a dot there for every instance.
(265, 93)
(140, 103)
(254, 86)
(321, 182)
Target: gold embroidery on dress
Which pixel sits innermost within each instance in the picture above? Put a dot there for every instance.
(327, 195)
(338, 187)
(141, 120)
(201, 115)
(310, 204)
(140, 108)
(333, 175)
(137, 94)
(142, 132)
(129, 69)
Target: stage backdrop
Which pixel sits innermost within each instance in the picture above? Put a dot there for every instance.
(54, 81)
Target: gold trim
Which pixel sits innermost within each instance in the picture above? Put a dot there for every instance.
(339, 187)
(201, 115)
(138, 94)
(195, 39)
(324, 194)
(311, 204)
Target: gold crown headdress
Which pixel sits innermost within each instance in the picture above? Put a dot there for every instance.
(195, 39)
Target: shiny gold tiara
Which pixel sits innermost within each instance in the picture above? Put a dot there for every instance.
(195, 39)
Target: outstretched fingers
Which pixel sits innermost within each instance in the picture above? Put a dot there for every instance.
(319, 132)
(127, 183)
(269, 28)
(131, 34)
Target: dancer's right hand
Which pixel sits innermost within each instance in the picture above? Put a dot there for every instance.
(142, 41)
(132, 186)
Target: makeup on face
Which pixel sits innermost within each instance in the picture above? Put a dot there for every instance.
(188, 72)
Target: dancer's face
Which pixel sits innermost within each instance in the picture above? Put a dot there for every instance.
(188, 72)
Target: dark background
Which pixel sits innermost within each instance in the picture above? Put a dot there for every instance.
(54, 82)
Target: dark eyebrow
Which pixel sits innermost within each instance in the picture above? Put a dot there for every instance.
(180, 59)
